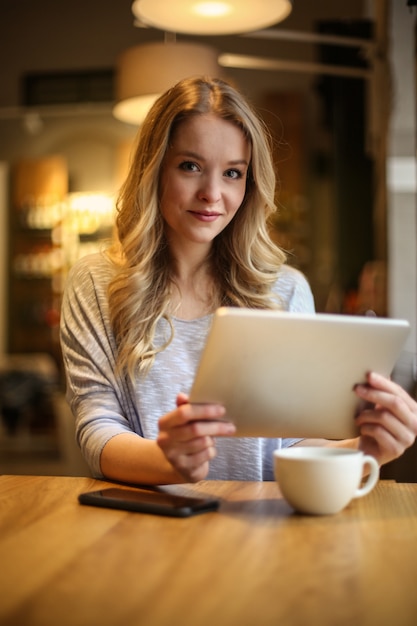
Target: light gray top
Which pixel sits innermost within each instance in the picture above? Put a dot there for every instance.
(104, 404)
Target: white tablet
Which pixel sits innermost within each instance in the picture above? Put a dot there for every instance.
(282, 374)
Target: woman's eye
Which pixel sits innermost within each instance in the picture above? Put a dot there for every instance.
(189, 166)
(233, 174)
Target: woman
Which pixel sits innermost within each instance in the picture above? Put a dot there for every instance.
(192, 236)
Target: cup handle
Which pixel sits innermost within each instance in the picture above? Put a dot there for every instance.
(372, 478)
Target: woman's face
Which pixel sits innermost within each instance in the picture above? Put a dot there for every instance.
(203, 179)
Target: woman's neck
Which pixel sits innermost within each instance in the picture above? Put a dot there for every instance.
(193, 292)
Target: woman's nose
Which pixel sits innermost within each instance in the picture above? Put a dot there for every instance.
(209, 190)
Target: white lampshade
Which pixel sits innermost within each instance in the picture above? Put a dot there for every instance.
(146, 71)
(210, 17)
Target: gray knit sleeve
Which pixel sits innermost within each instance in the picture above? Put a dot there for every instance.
(97, 397)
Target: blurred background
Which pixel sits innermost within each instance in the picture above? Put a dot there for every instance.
(334, 81)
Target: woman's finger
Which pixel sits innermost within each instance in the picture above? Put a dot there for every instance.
(186, 413)
(384, 426)
(389, 399)
(192, 459)
(377, 381)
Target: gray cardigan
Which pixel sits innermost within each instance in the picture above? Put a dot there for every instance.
(105, 404)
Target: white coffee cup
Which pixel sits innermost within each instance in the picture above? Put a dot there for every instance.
(320, 480)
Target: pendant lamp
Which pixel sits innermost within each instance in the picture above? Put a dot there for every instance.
(144, 72)
(210, 17)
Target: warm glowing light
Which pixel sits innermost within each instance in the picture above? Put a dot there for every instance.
(147, 70)
(210, 17)
(212, 9)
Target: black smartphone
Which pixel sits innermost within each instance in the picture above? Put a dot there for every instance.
(156, 502)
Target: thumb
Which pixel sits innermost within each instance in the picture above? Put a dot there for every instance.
(182, 398)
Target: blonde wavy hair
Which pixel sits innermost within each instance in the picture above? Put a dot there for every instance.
(244, 260)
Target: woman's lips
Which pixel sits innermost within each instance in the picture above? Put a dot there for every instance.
(205, 217)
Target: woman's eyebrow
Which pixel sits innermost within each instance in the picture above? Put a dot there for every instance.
(190, 155)
(194, 155)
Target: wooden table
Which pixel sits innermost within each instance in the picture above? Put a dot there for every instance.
(252, 563)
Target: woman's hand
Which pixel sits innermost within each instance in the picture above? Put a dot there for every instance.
(187, 436)
(390, 426)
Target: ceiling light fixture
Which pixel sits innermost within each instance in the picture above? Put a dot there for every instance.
(146, 71)
(210, 17)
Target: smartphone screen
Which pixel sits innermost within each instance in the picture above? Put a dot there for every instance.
(156, 502)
